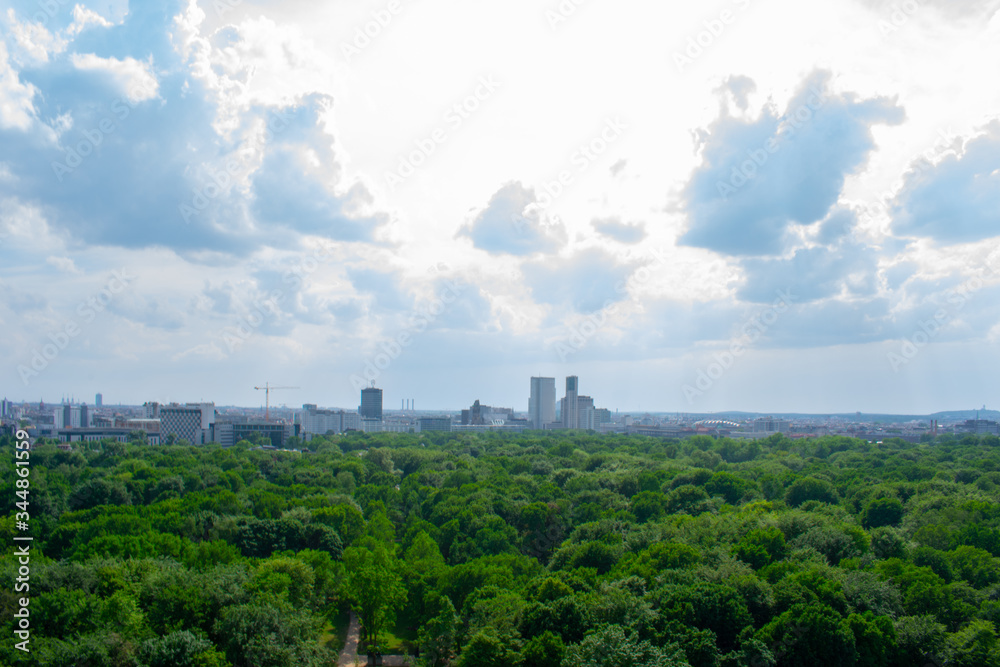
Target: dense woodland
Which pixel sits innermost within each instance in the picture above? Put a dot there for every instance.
(536, 550)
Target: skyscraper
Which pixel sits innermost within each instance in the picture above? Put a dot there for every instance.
(371, 404)
(99, 401)
(542, 402)
(570, 407)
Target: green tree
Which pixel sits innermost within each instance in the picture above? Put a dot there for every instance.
(882, 512)
(437, 636)
(374, 586)
(810, 488)
(614, 646)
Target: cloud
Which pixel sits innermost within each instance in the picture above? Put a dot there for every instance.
(583, 282)
(514, 224)
(740, 87)
(128, 155)
(133, 79)
(760, 177)
(958, 199)
(17, 110)
(951, 9)
(850, 271)
(616, 229)
(64, 264)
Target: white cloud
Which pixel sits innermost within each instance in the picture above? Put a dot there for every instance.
(84, 18)
(64, 264)
(16, 108)
(133, 78)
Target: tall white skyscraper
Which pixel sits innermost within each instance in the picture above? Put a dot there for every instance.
(542, 402)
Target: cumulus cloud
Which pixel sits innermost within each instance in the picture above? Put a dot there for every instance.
(133, 79)
(583, 282)
(513, 223)
(623, 232)
(17, 110)
(134, 156)
(958, 199)
(812, 274)
(760, 177)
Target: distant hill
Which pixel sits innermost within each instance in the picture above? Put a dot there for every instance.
(946, 416)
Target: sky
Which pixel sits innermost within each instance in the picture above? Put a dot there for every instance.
(758, 205)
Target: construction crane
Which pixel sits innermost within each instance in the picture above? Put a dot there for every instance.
(267, 389)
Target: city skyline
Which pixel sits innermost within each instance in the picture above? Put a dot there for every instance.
(750, 206)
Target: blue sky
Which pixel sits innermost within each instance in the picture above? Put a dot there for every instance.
(739, 205)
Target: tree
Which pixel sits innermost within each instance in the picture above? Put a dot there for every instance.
(374, 586)
(614, 646)
(809, 635)
(485, 650)
(437, 636)
(882, 512)
(810, 488)
(544, 650)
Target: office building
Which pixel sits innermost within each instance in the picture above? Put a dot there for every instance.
(194, 422)
(99, 401)
(95, 434)
(480, 415)
(425, 424)
(542, 402)
(585, 414)
(321, 422)
(68, 415)
(231, 430)
(771, 425)
(569, 408)
(371, 404)
(979, 427)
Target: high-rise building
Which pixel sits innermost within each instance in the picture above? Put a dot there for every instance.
(68, 415)
(99, 401)
(542, 402)
(371, 404)
(569, 406)
(586, 417)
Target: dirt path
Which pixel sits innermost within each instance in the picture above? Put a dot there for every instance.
(349, 656)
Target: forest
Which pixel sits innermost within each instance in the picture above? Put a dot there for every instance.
(565, 549)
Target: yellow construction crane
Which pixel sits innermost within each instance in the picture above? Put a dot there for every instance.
(267, 389)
